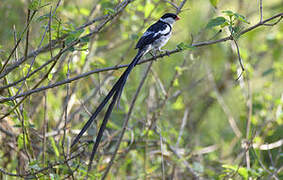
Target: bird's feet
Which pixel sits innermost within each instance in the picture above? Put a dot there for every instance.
(164, 51)
(153, 55)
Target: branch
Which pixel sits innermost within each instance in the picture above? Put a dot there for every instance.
(260, 10)
(9, 174)
(18, 42)
(223, 105)
(261, 23)
(41, 41)
(54, 43)
(199, 44)
(178, 155)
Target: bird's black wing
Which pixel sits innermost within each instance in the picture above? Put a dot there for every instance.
(153, 33)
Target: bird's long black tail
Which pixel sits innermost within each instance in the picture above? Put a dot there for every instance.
(116, 91)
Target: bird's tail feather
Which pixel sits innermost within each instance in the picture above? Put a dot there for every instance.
(102, 127)
(135, 61)
(117, 89)
(111, 105)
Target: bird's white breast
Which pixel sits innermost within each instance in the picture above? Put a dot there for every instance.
(161, 41)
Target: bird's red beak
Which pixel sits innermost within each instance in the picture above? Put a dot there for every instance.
(177, 18)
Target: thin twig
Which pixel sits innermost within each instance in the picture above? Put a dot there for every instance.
(273, 24)
(15, 39)
(182, 159)
(66, 154)
(199, 44)
(50, 31)
(17, 44)
(50, 166)
(262, 165)
(239, 58)
(98, 28)
(27, 36)
(180, 6)
(261, 23)
(44, 128)
(9, 174)
(248, 123)
(260, 10)
(171, 3)
(223, 105)
(162, 158)
(34, 87)
(33, 60)
(184, 122)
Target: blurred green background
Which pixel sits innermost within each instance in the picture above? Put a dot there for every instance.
(191, 108)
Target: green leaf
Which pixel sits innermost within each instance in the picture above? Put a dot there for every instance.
(43, 17)
(69, 39)
(9, 103)
(216, 22)
(228, 13)
(184, 46)
(34, 5)
(56, 151)
(231, 29)
(25, 68)
(241, 18)
(243, 172)
(20, 141)
(54, 176)
(176, 83)
(50, 76)
(214, 3)
(227, 166)
(17, 126)
(107, 7)
(109, 11)
(34, 165)
(224, 24)
(84, 39)
(178, 105)
(268, 71)
(72, 36)
(236, 29)
(72, 49)
(107, 4)
(77, 33)
(85, 11)
(180, 69)
(236, 16)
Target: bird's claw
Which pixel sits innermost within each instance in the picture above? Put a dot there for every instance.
(165, 51)
(153, 56)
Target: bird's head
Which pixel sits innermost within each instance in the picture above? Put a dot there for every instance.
(170, 18)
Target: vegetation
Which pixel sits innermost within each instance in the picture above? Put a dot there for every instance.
(213, 109)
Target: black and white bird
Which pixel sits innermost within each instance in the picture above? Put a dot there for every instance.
(155, 37)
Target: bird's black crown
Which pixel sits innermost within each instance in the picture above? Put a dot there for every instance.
(167, 15)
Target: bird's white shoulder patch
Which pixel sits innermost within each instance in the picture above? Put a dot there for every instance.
(166, 30)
